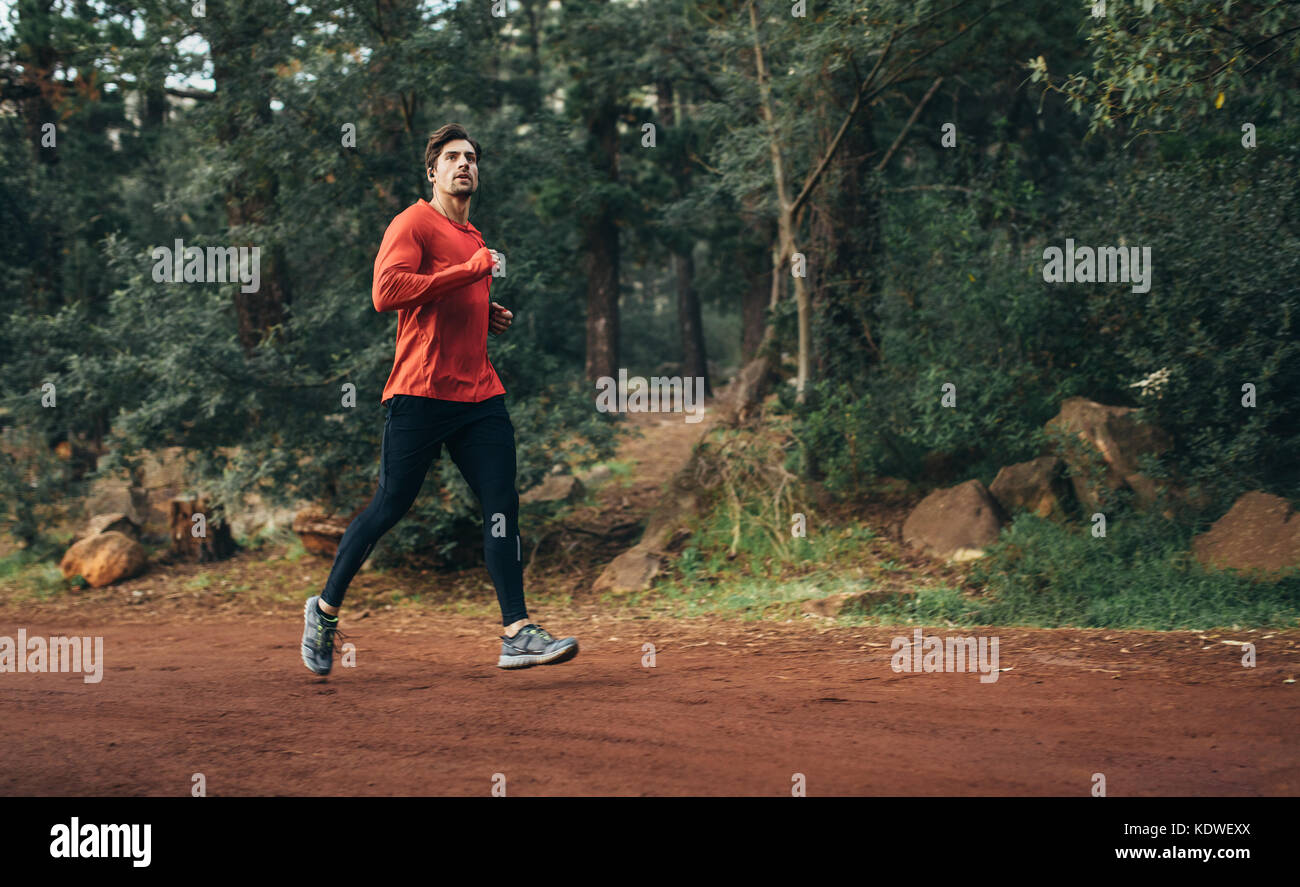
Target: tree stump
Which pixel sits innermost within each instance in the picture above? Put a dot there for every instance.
(214, 543)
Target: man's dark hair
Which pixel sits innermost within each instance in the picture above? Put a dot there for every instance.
(449, 133)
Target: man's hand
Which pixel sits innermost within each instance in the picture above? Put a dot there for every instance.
(499, 319)
(484, 261)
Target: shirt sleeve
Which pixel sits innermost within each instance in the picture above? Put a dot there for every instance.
(397, 282)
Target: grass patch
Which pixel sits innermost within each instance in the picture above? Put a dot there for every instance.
(1140, 575)
(758, 549)
(743, 559)
(28, 575)
(942, 605)
(749, 598)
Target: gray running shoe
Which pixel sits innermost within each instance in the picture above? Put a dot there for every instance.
(533, 645)
(317, 638)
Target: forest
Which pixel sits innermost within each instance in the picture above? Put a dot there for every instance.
(899, 246)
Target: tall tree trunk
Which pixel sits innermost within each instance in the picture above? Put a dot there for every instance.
(850, 233)
(753, 308)
(395, 112)
(533, 11)
(34, 33)
(784, 249)
(695, 361)
(600, 248)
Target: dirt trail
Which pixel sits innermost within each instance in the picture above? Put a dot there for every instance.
(201, 677)
(730, 708)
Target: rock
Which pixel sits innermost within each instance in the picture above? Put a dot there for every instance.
(255, 516)
(321, 530)
(956, 523)
(1260, 533)
(115, 522)
(1036, 486)
(630, 571)
(146, 496)
(1119, 438)
(104, 558)
(109, 495)
(666, 528)
(163, 469)
(158, 510)
(595, 476)
(556, 488)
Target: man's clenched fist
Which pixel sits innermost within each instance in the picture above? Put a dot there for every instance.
(499, 319)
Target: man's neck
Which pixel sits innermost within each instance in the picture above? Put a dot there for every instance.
(454, 209)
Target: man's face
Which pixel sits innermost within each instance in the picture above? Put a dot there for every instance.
(457, 170)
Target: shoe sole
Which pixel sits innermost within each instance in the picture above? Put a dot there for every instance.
(555, 657)
(306, 611)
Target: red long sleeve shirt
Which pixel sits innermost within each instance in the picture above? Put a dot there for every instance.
(430, 271)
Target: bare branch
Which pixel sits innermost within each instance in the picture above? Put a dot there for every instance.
(916, 112)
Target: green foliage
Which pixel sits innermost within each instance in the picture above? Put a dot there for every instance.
(925, 606)
(1223, 311)
(962, 305)
(1177, 62)
(1140, 575)
(33, 483)
(140, 364)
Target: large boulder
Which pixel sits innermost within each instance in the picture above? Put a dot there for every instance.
(1120, 439)
(144, 496)
(636, 568)
(163, 469)
(113, 522)
(956, 523)
(556, 488)
(104, 558)
(596, 476)
(321, 530)
(113, 495)
(255, 515)
(1260, 532)
(1037, 486)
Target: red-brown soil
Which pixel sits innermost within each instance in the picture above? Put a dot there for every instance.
(730, 708)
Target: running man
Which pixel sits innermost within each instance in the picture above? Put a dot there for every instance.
(434, 270)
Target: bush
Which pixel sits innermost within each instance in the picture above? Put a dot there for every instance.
(1140, 575)
(960, 304)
